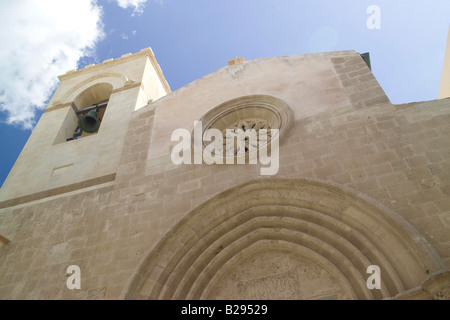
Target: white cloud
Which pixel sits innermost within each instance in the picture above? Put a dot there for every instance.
(137, 5)
(125, 36)
(40, 40)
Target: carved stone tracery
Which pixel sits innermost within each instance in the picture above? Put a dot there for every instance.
(241, 130)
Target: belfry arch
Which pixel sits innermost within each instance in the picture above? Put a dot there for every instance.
(330, 231)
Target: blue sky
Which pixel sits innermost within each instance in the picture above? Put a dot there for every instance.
(40, 40)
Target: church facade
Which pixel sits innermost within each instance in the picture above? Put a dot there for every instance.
(356, 204)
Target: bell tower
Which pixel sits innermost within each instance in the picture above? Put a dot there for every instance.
(79, 138)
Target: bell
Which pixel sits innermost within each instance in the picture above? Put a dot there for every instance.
(89, 123)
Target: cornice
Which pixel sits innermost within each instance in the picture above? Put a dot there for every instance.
(147, 52)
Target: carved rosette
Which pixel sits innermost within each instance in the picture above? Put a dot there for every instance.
(242, 115)
(242, 130)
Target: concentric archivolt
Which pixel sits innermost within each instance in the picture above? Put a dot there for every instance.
(342, 233)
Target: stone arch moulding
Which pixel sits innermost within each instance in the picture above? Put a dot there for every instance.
(258, 108)
(337, 233)
(116, 80)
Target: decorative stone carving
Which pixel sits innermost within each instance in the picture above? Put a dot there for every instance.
(244, 113)
(245, 126)
(337, 234)
(443, 294)
(438, 286)
(269, 271)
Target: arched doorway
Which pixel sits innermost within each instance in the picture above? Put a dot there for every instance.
(285, 239)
